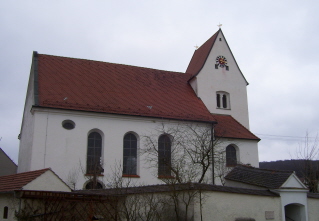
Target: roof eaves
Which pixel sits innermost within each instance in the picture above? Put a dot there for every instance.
(238, 138)
(132, 115)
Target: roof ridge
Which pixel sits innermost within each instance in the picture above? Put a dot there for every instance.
(265, 170)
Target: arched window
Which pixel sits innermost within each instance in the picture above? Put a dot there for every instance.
(130, 154)
(218, 100)
(94, 153)
(164, 156)
(93, 185)
(231, 156)
(5, 212)
(222, 100)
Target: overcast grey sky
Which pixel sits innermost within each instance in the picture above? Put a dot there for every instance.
(275, 44)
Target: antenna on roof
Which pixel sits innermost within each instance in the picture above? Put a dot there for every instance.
(220, 25)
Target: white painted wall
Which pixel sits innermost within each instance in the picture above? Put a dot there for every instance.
(229, 206)
(247, 150)
(247, 153)
(47, 181)
(293, 182)
(294, 196)
(27, 128)
(243, 185)
(64, 151)
(313, 211)
(210, 80)
(7, 199)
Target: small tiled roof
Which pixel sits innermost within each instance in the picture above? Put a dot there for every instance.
(19, 180)
(228, 127)
(200, 56)
(78, 84)
(270, 179)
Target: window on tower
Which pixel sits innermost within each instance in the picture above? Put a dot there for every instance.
(222, 100)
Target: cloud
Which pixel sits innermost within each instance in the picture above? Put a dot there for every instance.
(274, 42)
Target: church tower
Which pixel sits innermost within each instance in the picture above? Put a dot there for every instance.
(217, 79)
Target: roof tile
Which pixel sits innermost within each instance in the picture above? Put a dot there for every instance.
(19, 180)
(200, 56)
(86, 85)
(270, 179)
(229, 127)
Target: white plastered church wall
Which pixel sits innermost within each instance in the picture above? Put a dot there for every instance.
(210, 80)
(229, 206)
(27, 129)
(313, 212)
(65, 151)
(247, 150)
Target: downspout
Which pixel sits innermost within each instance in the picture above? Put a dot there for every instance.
(46, 140)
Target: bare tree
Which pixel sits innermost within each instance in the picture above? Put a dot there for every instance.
(194, 150)
(307, 154)
(136, 205)
(193, 153)
(92, 174)
(73, 177)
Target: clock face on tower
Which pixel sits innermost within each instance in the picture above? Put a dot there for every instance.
(221, 61)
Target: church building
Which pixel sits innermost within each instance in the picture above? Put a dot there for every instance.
(84, 117)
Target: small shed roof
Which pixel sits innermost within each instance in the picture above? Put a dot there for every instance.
(270, 179)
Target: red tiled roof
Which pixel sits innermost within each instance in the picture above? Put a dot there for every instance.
(229, 127)
(19, 180)
(78, 84)
(200, 56)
